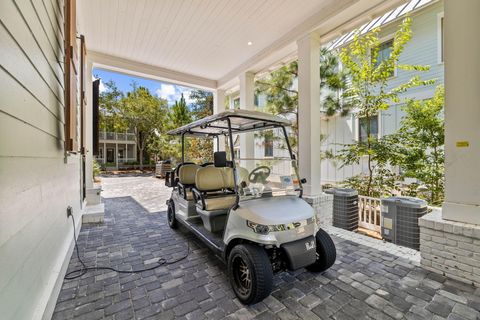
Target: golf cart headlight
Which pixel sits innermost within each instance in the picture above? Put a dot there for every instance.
(258, 228)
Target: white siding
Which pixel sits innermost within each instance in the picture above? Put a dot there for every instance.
(422, 49)
(37, 182)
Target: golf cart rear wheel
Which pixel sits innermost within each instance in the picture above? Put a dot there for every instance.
(250, 273)
(326, 252)
(172, 221)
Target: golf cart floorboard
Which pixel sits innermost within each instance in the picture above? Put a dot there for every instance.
(213, 240)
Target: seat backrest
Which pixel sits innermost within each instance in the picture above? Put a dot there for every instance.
(210, 179)
(186, 174)
(228, 181)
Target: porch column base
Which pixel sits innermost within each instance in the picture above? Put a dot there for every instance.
(95, 210)
(323, 206)
(450, 248)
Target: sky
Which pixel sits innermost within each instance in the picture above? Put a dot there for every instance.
(167, 91)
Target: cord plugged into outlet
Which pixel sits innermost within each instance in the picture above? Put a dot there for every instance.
(69, 211)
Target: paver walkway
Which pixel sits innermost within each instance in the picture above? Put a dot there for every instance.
(364, 283)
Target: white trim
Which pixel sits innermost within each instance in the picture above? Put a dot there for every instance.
(440, 49)
(117, 64)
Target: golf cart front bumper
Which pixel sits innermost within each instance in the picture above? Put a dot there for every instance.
(300, 253)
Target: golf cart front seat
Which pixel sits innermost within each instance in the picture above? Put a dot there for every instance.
(214, 196)
(186, 180)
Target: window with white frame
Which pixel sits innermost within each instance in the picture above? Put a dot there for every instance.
(366, 124)
(384, 52)
(441, 38)
(268, 144)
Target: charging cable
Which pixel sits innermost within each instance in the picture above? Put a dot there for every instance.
(74, 274)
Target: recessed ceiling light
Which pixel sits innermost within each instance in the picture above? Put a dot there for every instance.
(249, 43)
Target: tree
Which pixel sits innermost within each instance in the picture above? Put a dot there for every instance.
(145, 114)
(168, 146)
(109, 102)
(282, 95)
(421, 139)
(200, 149)
(370, 93)
(202, 105)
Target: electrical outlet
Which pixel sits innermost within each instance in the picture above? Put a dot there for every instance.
(69, 211)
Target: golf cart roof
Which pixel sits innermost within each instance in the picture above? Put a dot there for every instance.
(241, 121)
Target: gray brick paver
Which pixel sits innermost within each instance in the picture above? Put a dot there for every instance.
(364, 283)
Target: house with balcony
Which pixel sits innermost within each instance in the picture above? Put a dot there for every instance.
(116, 149)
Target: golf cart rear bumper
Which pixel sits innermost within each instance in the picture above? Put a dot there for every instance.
(300, 253)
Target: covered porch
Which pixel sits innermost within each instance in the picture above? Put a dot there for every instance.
(219, 46)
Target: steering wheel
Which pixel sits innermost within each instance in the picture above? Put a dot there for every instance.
(259, 175)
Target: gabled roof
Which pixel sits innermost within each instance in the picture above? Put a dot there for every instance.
(241, 121)
(380, 21)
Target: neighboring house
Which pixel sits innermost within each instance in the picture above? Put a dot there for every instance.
(424, 48)
(117, 148)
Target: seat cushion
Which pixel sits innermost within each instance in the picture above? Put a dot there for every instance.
(220, 203)
(186, 174)
(209, 179)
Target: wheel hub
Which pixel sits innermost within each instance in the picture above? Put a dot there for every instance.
(243, 276)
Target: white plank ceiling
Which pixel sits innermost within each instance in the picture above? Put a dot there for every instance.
(206, 38)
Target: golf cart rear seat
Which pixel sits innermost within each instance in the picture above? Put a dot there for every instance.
(186, 180)
(214, 196)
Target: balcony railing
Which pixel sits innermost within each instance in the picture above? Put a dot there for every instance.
(369, 213)
(116, 136)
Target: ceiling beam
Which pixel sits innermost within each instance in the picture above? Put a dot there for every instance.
(117, 64)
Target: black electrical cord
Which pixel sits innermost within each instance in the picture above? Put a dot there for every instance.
(77, 273)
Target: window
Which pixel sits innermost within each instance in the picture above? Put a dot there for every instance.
(384, 51)
(268, 144)
(441, 38)
(363, 125)
(236, 103)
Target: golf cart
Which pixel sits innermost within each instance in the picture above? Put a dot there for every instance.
(249, 211)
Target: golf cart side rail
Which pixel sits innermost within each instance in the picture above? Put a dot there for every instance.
(252, 120)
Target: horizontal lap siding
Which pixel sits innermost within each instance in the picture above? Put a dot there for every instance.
(37, 183)
(422, 49)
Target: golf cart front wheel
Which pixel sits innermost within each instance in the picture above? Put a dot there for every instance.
(250, 273)
(172, 221)
(326, 252)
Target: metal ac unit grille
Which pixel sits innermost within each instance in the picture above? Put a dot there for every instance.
(400, 220)
(345, 208)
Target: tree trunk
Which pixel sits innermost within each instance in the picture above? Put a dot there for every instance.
(141, 157)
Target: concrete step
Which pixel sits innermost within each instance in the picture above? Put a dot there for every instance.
(93, 195)
(94, 213)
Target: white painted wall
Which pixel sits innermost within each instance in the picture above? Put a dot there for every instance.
(37, 181)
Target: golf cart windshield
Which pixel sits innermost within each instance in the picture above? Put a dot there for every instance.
(267, 169)
(257, 148)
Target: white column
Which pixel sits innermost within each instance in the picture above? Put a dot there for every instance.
(247, 99)
(116, 152)
(88, 126)
(462, 111)
(219, 106)
(309, 112)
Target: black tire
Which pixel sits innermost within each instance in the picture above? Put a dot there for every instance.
(326, 252)
(257, 268)
(172, 221)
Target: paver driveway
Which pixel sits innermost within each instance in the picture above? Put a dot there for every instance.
(364, 283)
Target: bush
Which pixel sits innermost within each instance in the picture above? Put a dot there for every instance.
(96, 169)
